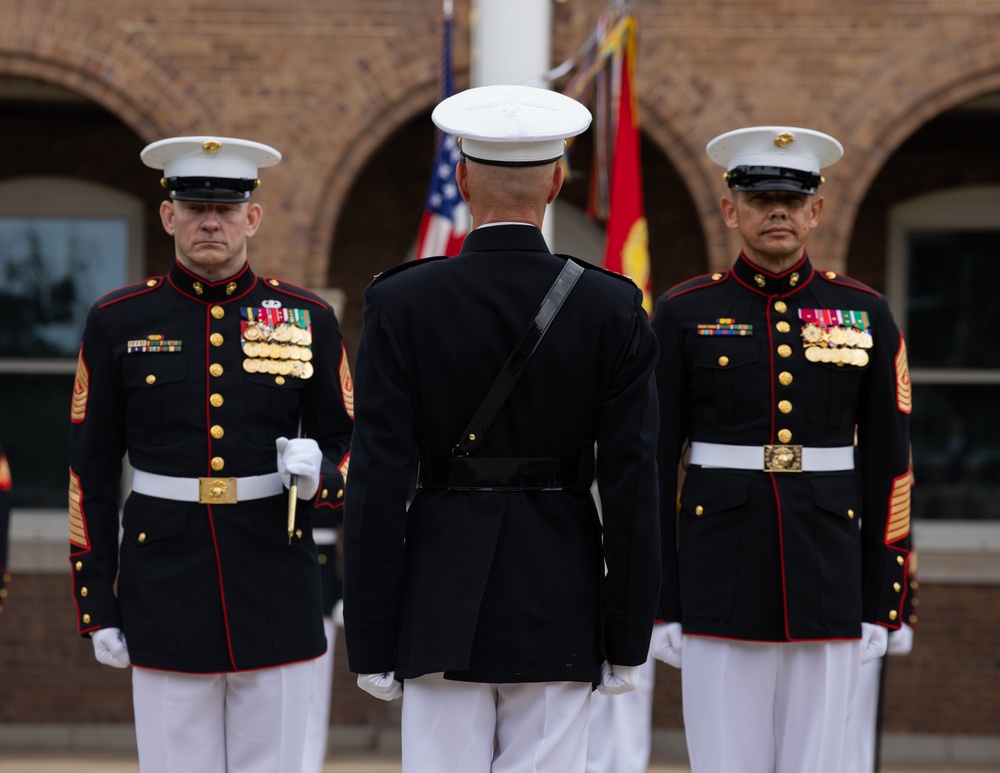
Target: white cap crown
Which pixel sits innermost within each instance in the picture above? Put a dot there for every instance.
(511, 125)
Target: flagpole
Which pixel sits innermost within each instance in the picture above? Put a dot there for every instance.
(512, 44)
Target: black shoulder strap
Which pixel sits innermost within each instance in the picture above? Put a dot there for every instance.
(518, 359)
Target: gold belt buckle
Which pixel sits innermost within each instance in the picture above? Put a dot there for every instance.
(783, 458)
(217, 491)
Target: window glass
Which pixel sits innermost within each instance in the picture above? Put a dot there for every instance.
(951, 306)
(956, 451)
(51, 271)
(34, 415)
(64, 242)
(948, 318)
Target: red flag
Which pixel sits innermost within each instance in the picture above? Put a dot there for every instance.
(446, 218)
(627, 248)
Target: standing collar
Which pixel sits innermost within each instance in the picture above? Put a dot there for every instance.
(507, 236)
(229, 289)
(766, 283)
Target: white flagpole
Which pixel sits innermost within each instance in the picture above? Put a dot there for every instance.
(511, 43)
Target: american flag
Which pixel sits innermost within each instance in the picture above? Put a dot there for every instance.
(446, 221)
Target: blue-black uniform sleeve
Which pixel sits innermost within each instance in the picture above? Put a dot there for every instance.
(328, 415)
(672, 385)
(375, 515)
(97, 446)
(627, 483)
(884, 457)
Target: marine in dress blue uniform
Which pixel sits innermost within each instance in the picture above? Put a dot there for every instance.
(219, 384)
(788, 387)
(487, 596)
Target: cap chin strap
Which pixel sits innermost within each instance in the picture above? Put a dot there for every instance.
(491, 162)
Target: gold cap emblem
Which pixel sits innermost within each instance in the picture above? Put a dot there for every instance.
(211, 146)
(784, 139)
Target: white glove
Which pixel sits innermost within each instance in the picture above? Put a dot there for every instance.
(300, 456)
(874, 639)
(667, 643)
(618, 679)
(382, 686)
(338, 613)
(109, 647)
(901, 641)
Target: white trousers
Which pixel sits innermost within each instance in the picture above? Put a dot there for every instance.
(318, 721)
(620, 735)
(754, 707)
(244, 722)
(470, 727)
(859, 752)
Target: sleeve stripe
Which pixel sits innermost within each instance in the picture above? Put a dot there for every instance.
(898, 523)
(77, 522)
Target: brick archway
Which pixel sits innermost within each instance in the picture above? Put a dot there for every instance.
(399, 82)
(896, 97)
(146, 90)
(872, 114)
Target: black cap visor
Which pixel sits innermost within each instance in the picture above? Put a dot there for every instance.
(772, 178)
(222, 189)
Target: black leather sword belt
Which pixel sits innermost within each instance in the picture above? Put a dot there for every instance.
(508, 474)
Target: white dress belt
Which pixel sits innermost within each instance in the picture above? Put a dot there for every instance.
(772, 458)
(220, 491)
(325, 536)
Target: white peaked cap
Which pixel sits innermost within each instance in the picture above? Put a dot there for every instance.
(759, 150)
(228, 164)
(511, 125)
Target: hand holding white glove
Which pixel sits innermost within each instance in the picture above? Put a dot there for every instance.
(300, 456)
(874, 639)
(901, 641)
(109, 647)
(667, 643)
(618, 679)
(383, 686)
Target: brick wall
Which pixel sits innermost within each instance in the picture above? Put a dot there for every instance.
(948, 685)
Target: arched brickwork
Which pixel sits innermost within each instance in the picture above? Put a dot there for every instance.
(399, 82)
(896, 96)
(149, 92)
(681, 112)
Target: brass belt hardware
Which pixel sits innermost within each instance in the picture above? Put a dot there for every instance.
(783, 458)
(217, 491)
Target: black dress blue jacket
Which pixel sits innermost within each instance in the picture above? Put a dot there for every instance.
(162, 375)
(501, 586)
(780, 556)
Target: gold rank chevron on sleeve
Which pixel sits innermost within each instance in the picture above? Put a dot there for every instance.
(346, 382)
(904, 389)
(81, 391)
